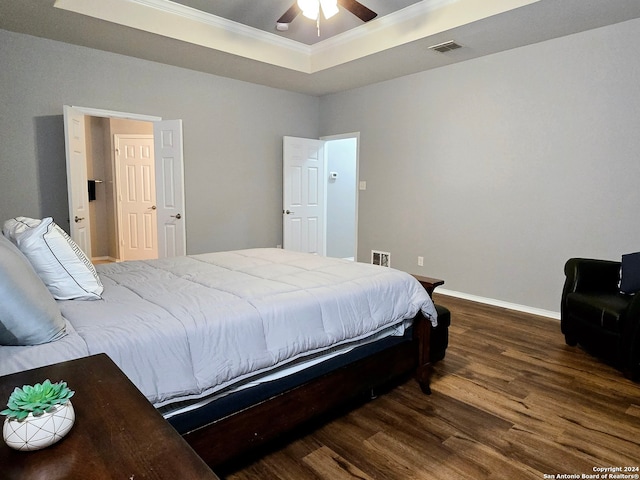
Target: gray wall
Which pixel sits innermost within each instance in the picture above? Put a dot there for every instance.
(497, 170)
(232, 135)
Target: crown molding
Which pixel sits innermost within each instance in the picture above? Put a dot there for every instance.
(415, 22)
(378, 25)
(177, 21)
(172, 20)
(375, 36)
(225, 24)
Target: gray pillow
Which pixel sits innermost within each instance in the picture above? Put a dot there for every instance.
(28, 313)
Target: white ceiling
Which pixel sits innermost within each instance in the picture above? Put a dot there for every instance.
(394, 44)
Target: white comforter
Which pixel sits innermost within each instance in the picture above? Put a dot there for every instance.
(189, 326)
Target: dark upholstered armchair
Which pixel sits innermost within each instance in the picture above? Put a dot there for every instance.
(597, 316)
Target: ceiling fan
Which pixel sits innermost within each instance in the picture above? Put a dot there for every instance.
(311, 9)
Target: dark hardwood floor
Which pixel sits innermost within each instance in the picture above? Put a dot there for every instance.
(510, 401)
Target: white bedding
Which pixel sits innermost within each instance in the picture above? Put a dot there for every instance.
(186, 327)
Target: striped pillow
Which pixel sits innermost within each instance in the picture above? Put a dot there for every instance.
(61, 264)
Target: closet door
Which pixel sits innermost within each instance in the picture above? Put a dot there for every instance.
(170, 188)
(77, 186)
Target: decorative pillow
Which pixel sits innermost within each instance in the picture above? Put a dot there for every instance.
(630, 273)
(28, 313)
(56, 258)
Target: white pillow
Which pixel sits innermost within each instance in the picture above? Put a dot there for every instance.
(56, 258)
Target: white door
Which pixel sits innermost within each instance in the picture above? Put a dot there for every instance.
(170, 188)
(77, 185)
(303, 195)
(136, 197)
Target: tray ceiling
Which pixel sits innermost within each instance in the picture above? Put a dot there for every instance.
(231, 38)
(262, 15)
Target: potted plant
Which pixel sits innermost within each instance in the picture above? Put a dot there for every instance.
(38, 415)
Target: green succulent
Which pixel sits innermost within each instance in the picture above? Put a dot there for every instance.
(36, 399)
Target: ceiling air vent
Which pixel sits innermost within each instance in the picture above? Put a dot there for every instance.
(445, 46)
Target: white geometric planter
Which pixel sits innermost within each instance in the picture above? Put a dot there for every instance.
(34, 433)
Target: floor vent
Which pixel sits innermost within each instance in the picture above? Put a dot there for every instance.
(445, 46)
(380, 258)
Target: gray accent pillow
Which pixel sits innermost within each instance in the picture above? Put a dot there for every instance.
(28, 313)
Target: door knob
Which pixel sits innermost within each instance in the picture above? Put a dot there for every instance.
(288, 212)
(78, 219)
(153, 207)
(177, 216)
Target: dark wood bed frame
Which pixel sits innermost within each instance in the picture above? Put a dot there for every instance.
(224, 440)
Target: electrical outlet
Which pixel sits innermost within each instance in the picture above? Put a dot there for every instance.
(421, 261)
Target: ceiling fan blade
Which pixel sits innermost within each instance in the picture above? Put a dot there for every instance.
(290, 14)
(363, 13)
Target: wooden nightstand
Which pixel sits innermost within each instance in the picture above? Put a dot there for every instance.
(117, 433)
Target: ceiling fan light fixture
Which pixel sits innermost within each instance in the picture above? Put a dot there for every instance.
(310, 8)
(329, 8)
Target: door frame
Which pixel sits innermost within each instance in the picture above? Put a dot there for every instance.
(98, 112)
(343, 136)
(325, 158)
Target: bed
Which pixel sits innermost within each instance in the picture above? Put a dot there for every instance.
(233, 348)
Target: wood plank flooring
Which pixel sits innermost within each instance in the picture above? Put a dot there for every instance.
(510, 401)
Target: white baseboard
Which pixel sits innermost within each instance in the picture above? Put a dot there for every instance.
(500, 303)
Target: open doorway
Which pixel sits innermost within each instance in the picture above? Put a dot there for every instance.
(91, 178)
(114, 235)
(342, 180)
(320, 195)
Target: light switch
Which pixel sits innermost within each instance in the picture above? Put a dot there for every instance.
(362, 185)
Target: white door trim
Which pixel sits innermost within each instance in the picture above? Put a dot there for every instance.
(98, 112)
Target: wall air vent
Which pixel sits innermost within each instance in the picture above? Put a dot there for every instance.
(380, 258)
(445, 46)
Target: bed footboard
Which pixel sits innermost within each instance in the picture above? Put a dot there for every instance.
(422, 336)
(224, 440)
